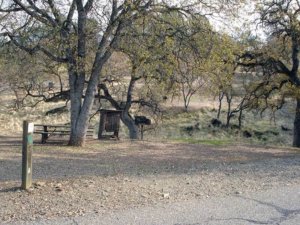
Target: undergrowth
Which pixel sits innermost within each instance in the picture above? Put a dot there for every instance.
(192, 127)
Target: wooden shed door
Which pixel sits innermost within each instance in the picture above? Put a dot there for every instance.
(112, 122)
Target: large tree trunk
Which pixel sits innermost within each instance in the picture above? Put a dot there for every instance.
(77, 137)
(77, 74)
(78, 127)
(130, 124)
(80, 113)
(80, 109)
(126, 117)
(296, 142)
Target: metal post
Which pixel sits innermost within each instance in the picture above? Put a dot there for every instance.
(27, 147)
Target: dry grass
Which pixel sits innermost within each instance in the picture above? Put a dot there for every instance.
(12, 119)
(173, 125)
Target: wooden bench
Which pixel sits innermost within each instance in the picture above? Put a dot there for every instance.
(47, 130)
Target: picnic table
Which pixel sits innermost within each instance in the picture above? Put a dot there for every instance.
(48, 130)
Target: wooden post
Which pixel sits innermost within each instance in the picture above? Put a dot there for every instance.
(45, 135)
(27, 148)
(101, 124)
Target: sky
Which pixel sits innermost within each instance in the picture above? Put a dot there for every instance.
(245, 20)
(222, 22)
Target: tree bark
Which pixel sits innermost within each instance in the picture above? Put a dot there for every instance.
(296, 141)
(221, 96)
(240, 119)
(78, 127)
(185, 98)
(126, 117)
(80, 110)
(229, 114)
(130, 124)
(77, 137)
(241, 109)
(77, 74)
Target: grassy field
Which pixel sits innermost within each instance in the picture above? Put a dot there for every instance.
(175, 125)
(195, 126)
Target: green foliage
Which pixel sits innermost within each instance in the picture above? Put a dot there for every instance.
(222, 64)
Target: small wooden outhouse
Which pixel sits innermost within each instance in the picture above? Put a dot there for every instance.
(109, 122)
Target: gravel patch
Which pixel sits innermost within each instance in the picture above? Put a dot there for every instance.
(109, 176)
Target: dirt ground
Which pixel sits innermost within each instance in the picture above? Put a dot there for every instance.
(111, 175)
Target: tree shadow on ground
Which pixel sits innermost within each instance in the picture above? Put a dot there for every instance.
(11, 189)
(6, 141)
(139, 158)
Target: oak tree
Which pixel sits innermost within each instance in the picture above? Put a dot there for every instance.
(60, 30)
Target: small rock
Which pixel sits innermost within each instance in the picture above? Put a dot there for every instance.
(30, 190)
(104, 193)
(127, 179)
(40, 184)
(58, 189)
(166, 195)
